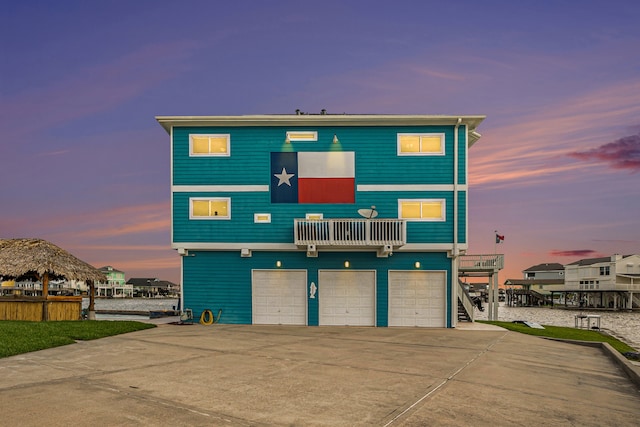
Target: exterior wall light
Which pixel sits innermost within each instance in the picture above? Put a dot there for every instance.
(278, 263)
(335, 139)
(346, 264)
(417, 264)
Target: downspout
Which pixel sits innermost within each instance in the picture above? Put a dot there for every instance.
(455, 251)
(181, 299)
(455, 188)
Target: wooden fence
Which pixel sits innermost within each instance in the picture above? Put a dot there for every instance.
(37, 309)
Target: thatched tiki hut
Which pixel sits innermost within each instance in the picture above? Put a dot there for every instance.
(43, 261)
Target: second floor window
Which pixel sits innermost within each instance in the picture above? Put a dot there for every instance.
(604, 271)
(209, 145)
(421, 209)
(414, 144)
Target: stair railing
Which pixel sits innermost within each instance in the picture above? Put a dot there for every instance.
(465, 299)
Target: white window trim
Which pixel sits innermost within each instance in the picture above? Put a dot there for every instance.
(210, 135)
(442, 139)
(256, 218)
(312, 216)
(443, 210)
(209, 199)
(313, 136)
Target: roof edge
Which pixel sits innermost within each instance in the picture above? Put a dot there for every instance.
(322, 120)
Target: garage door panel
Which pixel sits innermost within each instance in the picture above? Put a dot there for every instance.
(417, 298)
(346, 297)
(279, 297)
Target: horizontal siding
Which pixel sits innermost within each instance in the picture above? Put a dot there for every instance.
(222, 280)
(462, 217)
(462, 155)
(376, 163)
(241, 228)
(216, 281)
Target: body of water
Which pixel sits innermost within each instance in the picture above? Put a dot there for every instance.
(130, 304)
(623, 325)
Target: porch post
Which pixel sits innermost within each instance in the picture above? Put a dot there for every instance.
(490, 298)
(45, 295)
(496, 298)
(92, 297)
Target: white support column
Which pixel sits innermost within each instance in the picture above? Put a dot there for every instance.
(490, 298)
(454, 291)
(496, 297)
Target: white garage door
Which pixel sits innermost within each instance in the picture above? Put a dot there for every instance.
(347, 297)
(417, 298)
(279, 297)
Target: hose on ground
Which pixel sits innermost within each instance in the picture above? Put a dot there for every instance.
(207, 318)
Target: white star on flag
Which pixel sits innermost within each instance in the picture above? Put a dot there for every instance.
(283, 177)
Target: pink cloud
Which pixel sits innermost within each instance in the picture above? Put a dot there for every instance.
(573, 253)
(623, 153)
(54, 153)
(534, 147)
(93, 89)
(85, 226)
(438, 74)
(134, 260)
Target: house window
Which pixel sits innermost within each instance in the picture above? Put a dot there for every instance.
(415, 144)
(302, 136)
(421, 209)
(209, 145)
(604, 271)
(207, 208)
(262, 218)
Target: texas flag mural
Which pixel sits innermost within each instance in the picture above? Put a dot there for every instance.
(313, 177)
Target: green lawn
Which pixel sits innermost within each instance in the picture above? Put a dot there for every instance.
(22, 337)
(565, 333)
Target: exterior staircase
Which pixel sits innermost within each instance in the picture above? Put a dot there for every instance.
(463, 316)
(465, 304)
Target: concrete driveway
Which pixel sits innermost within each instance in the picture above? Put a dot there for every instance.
(236, 375)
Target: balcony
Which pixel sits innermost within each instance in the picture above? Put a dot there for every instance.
(481, 263)
(382, 233)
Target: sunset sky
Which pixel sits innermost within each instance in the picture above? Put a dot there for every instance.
(85, 165)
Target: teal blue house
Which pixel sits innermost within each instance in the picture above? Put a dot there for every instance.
(321, 219)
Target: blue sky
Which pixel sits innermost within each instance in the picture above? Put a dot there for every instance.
(86, 166)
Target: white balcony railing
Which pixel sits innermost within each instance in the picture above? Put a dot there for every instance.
(481, 262)
(350, 232)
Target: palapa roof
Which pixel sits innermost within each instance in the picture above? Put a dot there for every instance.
(19, 257)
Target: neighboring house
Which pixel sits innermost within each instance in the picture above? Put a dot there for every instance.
(609, 282)
(541, 278)
(34, 288)
(116, 286)
(320, 219)
(152, 287)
